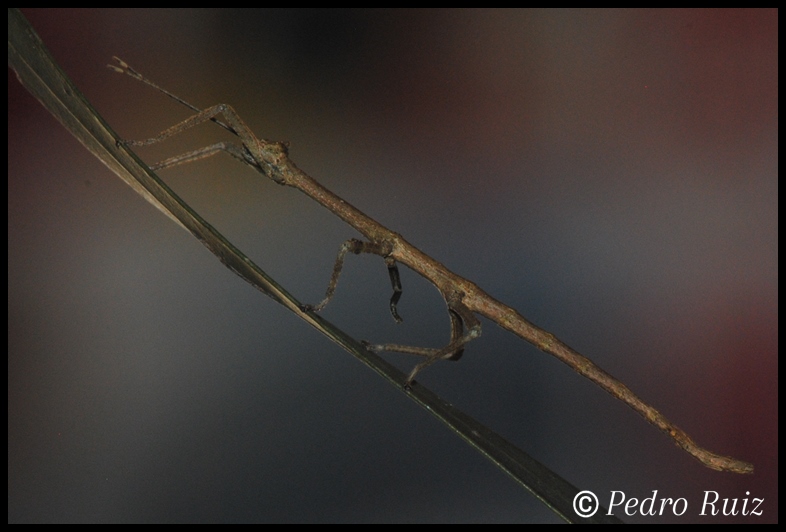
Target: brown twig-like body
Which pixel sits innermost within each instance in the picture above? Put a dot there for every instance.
(464, 298)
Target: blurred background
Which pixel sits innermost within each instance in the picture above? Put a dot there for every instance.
(613, 175)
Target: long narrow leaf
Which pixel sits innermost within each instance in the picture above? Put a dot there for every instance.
(38, 72)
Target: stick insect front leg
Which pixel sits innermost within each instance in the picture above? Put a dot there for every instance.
(258, 154)
(265, 157)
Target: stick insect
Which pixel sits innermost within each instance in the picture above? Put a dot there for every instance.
(464, 299)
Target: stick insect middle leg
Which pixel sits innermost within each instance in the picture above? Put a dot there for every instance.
(460, 315)
(258, 153)
(357, 247)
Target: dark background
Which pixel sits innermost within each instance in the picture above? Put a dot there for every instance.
(611, 174)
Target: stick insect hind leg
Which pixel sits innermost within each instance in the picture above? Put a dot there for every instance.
(460, 318)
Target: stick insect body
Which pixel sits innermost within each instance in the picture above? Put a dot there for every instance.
(464, 298)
